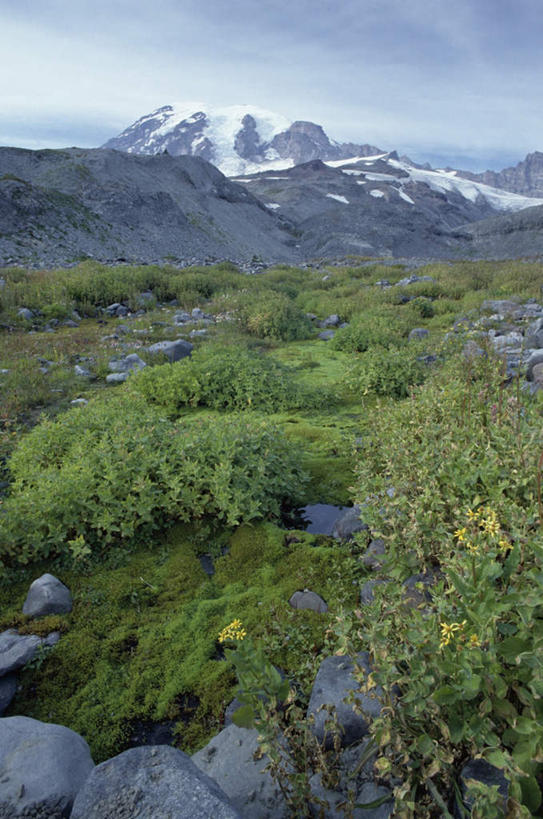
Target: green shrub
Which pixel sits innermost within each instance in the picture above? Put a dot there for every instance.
(367, 331)
(385, 372)
(109, 474)
(231, 378)
(273, 315)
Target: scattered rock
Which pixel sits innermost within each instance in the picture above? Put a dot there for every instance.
(25, 313)
(43, 767)
(16, 650)
(79, 402)
(348, 524)
(535, 358)
(8, 687)
(366, 591)
(537, 374)
(154, 781)
(307, 599)
(173, 350)
(181, 318)
(503, 307)
(229, 760)
(47, 595)
(117, 378)
(417, 589)
(326, 335)
(370, 792)
(418, 333)
(198, 314)
(82, 371)
(534, 334)
(373, 557)
(127, 364)
(334, 682)
(482, 771)
(330, 321)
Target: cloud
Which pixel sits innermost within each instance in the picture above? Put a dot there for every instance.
(424, 74)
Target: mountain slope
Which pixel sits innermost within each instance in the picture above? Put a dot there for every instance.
(56, 206)
(525, 178)
(237, 138)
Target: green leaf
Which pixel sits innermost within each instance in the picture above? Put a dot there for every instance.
(244, 717)
(531, 793)
(446, 695)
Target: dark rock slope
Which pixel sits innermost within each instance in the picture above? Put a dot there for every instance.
(526, 177)
(63, 205)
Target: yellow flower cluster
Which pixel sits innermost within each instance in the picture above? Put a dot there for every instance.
(449, 630)
(485, 521)
(234, 631)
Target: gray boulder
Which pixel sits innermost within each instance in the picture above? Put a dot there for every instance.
(348, 524)
(481, 771)
(43, 767)
(370, 792)
(418, 333)
(117, 378)
(373, 558)
(229, 760)
(507, 341)
(47, 595)
(25, 313)
(326, 335)
(534, 334)
(504, 307)
(330, 321)
(181, 317)
(83, 372)
(198, 314)
(537, 374)
(127, 364)
(307, 599)
(334, 682)
(535, 358)
(16, 650)
(173, 350)
(8, 687)
(151, 782)
(366, 590)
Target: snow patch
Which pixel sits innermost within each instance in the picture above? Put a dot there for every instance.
(377, 193)
(338, 198)
(405, 197)
(272, 205)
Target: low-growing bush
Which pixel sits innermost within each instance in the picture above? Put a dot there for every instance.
(385, 372)
(367, 331)
(232, 378)
(273, 315)
(109, 474)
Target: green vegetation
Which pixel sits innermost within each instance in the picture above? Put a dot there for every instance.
(122, 497)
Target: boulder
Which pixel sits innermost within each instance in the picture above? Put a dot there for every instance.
(25, 313)
(151, 782)
(507, 341)
(330, 321)
(416, 589)
(47, 595)
(366, 590)
(173, 350)
(127, 364)
(504, 307)
(8, 687)
(537, 374)
(418, 333)
(83, 372)
(16, 650)
(348, 524)
(534, 334)
(198, 314)
(535, 358)
(307, 599)
(326, 335)
(373, 557)
(334, 682)
(229, 760)
(481, 771)
(181, 317)
(370, 792)
(43, 767)
(117, 378)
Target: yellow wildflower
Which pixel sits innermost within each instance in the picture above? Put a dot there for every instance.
(472, 515)
(471, 547)
(234, 631)
(460, 534)
(504, 545)
(448, 631)
(474, 641)
(490, 526)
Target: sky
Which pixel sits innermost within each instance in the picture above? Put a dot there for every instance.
(452, 82)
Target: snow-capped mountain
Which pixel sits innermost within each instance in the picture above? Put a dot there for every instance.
(237, 139)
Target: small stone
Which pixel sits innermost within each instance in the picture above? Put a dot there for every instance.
(326, 335)
(418, 333)
(16, 650)
(366, 591)
(173, 350)
(47, 595)
(25, 313)
(308, 600)
(374, 554)
(117, 378)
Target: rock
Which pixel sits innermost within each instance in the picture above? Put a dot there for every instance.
(372, 558)
(181, 317)
(52, 639)
(117, 309)
(537, 374)
(507, 341)
(47, 595)
(534, 334)
(173, 350)
(418, 333)
(330, 798)
(25, 313)
(504, 307)
(16, 650)
(366, 591)
(307, 599)
(8, 687)
(472, 350)
(330, 321)
(42, 766)
(127, 364)
(482, 771)
(79, 402)
(117, 378)
(198, 314)
(82, 371)
(70, 323)
(229, 760)
(369, 793)
(535, 358)
(334, 682)
(326, 335)
(417, 589)
(151, 782)
(348, 524)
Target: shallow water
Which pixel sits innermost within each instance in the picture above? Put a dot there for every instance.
(321, 517)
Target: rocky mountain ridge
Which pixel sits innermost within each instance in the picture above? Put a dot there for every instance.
(525, 178)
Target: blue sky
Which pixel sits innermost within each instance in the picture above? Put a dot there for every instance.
(454, 83)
